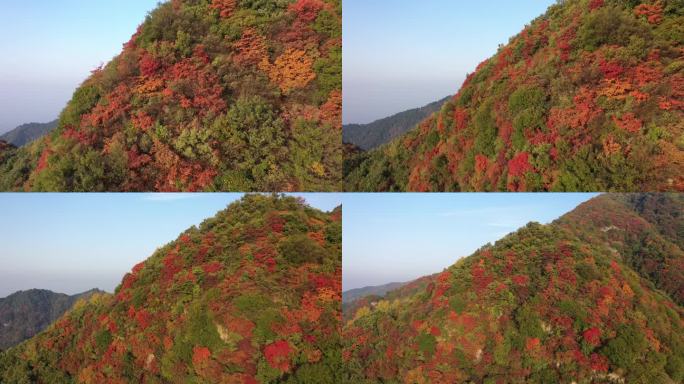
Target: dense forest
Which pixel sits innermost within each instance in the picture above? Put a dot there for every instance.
(250, 296)
(588, 97)
(23, 314)
(597, 296)
(229, 95)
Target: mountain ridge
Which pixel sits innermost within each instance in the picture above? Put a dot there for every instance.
(27, 133)
(379, 290)
(381, 131)
(24, 314)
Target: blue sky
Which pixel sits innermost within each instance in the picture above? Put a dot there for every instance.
(50, 47)
(400, 237)
(74, 242)
(403, 54)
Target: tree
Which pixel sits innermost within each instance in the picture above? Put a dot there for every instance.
(278, 355)
(291, 70)
(224, 7)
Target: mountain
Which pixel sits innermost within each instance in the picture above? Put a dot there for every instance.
(23, 314)
(208, 95)
(27, 133)
(594, 297)
(376, 290)
(588, 97)
(372, 135)
(252, 295)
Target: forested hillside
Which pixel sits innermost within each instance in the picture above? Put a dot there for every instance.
(588, 97)
(594, 297)
(232, 95)
(252, 295)
(25, 313)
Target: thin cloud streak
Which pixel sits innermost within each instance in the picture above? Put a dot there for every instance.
(166, 197)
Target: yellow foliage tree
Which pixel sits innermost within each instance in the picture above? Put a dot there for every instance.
(291, 70)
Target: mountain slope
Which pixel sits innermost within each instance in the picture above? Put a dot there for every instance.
(27, 133)
(232, 95)
(588, 97)
(372, 135)
(25, 313)
(251, 296)
(548, 303)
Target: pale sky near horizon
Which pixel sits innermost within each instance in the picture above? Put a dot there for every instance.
(70, 243)
(50, 47)
(403, 54)
(400, 237)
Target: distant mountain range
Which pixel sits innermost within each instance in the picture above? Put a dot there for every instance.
(379, 132)
(27, 133)
(24, 314)
(376, 290)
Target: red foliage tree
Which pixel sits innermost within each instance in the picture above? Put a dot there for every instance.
(564, 43)
(520, 280)
(307, 10)
(592, 336)
(598, 362)
(224, 7)
(532, 343)
(481, 163)
(481, 279)
(652, 12)
(331, 110)
(611, 69)
(200, 355)
(149, 65)
(136, 159)
(595, 4)
(278, 355)
(142, 121)
(138, 267)
(171, 267)
(78, 136)
(519, 165)
(143, 318)
(212, 267)
(250, 49)
(628, 122)
(645, 74)
(460, 118)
